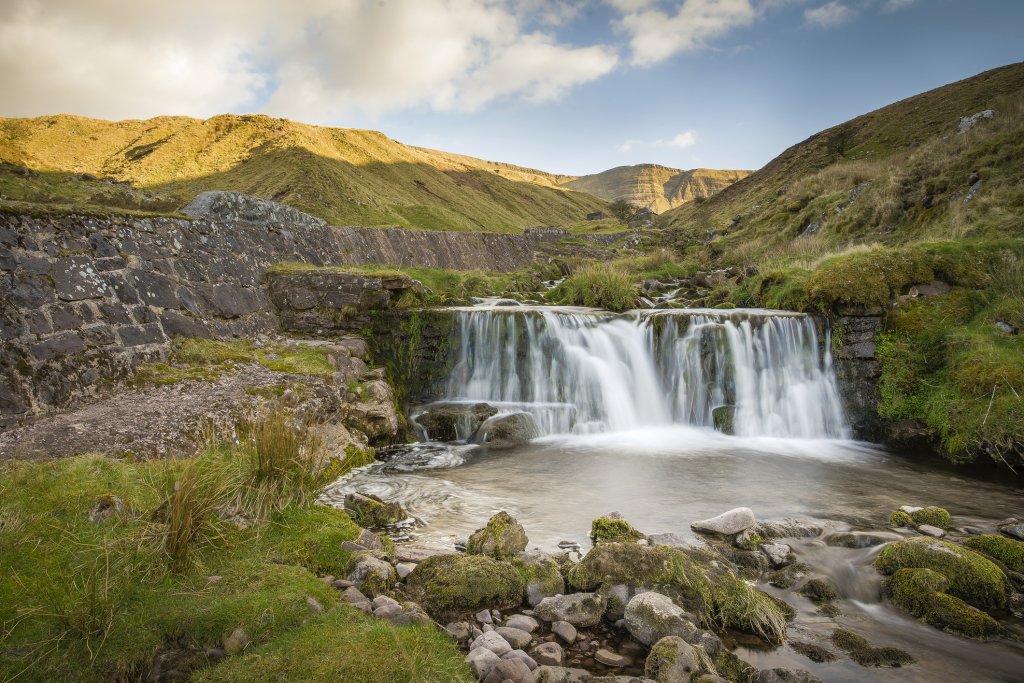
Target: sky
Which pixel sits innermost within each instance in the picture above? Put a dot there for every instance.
(567, 86)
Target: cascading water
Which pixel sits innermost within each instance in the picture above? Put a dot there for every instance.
(581, 371)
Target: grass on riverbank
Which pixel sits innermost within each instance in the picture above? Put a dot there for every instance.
(84, 600)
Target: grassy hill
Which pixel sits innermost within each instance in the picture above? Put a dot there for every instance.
(346, 176)
(656, 187)
(851, 218)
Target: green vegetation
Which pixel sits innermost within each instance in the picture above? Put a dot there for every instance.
(922, 593)
(861, 651)
(608, 530)
(972, 577)
(819, 591)
(899, 518)
(345, 176)
(1008, 552)
(931, 515)
(208, 360)
(597, 285)
(449, 586)
(107, 562)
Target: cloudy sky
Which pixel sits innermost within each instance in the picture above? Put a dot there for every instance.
(572, 86)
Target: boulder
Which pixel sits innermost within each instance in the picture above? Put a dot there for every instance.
(779, 554)
(452, 585)
(372, 512)
(972, 577)
(523, 623)
(481, 661)
(653, 616)
(372, 575)
(522, 656)
(502, 538)
(514, 670)
(508, 431)
(454, 421)
(579, 609)
(492, 641)
(565, 631)
(728, 523)
(517, 638)
(671, 660)
(542, 574)
(922, 592)
(612, 528)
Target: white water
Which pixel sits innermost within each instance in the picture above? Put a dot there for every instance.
(585, 371)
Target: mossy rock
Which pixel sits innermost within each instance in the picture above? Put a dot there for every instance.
(613, 530)
(820, 591)
(541, 574)
(449, 586)
(733, 668)
(899, 519)
(503, 538)
(932, 516)
(862, 652)
(372, 512)
(1001, 548)
(972, 577)
(921, 592)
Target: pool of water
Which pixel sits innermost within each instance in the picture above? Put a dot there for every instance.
(662, 479)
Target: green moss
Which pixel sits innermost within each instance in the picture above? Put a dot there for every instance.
(355, 456)
(738, 605)
(372, 512)
(900, 519)
(1005, 550)
(546, 574)
(820, 591)
(830, 610)
(502, 538)
(733, 668)
(972, 577)
(749, 542)
(451, 585)
(813, 652)
(312, 538)
(861, 651)
(608, 530)
(934, 516)
(922, 592)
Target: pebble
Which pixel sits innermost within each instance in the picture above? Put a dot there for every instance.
(484, 617)
(342, 584)
(565, 631)
(929, 530)
(354, 596)
(610, 658)
(314, 605)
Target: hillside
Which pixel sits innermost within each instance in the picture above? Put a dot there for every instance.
(656, 187)
(927, 191)
(346, 176)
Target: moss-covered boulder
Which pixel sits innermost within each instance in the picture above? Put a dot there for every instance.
(452, 585)
(899, 519)
(503, 538)
(932, 516)
(372, 512)
(972, 577)
(613, 529)
(820, 591)
(862, 652)
(1001, 548)
(922, 592)
(542, 576)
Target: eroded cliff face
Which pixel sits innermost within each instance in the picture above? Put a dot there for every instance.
(658, 188)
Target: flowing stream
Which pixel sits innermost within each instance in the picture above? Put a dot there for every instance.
(627, 407)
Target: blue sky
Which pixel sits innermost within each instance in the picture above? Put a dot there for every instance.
(561, 85)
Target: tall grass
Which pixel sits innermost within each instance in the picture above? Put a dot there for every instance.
(598, 285)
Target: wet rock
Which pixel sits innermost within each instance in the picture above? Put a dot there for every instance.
(786, 676)
(653, 616)
(672, 539)
(929, 530)
(493, 641)
(454, 421)
(514, 670)
(728, 523)
(813, 652)
(611, 658)
(671, 660)
(820, 591)
(372, 512)
(450, 585)
(517, 638)
(612, 528)
(1013, 531)
(523, 623)
(779, 554)
(550, 654)
(481, 661)
(565, 631)
(790, 527)
(502, 538)
(859, 539)
(236, 642)
(579, 609)
(508, 431)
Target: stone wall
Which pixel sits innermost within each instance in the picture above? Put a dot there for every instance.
(84, 299)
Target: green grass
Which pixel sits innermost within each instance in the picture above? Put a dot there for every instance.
(94, 601)
(208, 360)
(597, 285)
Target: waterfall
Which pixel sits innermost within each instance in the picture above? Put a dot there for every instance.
(577, 371)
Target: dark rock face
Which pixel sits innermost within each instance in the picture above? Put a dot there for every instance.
(858, 370)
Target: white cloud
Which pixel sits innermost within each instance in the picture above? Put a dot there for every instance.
(656, 35)
(318, 60)
(896, 5)
(828, 15)
(679, 141)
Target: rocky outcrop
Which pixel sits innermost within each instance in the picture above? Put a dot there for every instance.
(857, 368)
